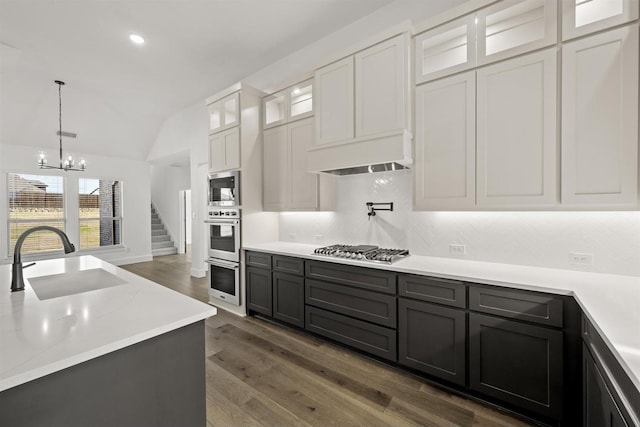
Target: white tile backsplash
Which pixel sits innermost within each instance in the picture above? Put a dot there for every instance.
(541, 239)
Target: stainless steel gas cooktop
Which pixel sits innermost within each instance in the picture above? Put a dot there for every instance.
(367, 253)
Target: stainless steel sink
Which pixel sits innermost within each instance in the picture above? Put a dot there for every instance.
(76, 282)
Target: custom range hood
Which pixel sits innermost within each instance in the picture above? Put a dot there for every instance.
(363, 155)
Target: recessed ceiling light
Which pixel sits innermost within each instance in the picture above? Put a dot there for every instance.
(137, 39)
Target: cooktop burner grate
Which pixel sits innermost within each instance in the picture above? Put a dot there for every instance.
(368, 253)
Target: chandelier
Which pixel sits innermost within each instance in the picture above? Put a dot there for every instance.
(67, 163)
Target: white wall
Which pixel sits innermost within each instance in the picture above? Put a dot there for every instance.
(135, 175)
(541, 239)
(166, 184)
(188, 130)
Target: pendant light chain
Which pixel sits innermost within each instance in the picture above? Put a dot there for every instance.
(60, 83)
(65, 164)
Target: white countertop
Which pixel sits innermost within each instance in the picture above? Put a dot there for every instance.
(38, 337)
(609, 301)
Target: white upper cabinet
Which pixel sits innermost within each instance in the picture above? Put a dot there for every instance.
(274, 110)
(286, 183)
(224, 113)
(580, 17)
(381, 87)
(513, 27)
(363, 95)
(516, 132)
(445, 50)
(334, 102)
(224, 150)
(301, 100)
(274, 169)
(445, 144)
(600, 119)
(293, 103)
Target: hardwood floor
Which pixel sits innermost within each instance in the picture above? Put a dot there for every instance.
(263, 374)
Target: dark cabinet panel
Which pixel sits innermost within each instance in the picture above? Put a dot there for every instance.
(289, 265)
(288, 298)
(365, 336)
(600, 409)
(360, 277)
(259, 294)
(365, 305)
(431, 289)
(431, 339)
(258, 259)
(522, 305)
(517, 363)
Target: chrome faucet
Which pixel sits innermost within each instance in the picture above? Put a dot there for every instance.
(17, 281)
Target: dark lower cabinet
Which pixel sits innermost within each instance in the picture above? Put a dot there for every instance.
(432, 339)
(518, 363)
(259, 293)
(600, 410)
(288, 298)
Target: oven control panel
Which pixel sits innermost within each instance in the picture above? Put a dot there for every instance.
(218, 213)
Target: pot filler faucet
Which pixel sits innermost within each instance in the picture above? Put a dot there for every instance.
(17, 281)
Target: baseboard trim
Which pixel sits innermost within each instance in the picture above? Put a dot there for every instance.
(198, 272)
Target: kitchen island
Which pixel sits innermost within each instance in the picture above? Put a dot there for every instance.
(117, 350)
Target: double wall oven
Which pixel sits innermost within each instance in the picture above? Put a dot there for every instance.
(223, 229)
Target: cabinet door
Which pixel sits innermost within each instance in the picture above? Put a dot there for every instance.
(445, 144)
(231, 110)
(301, 100)
(302, 185)
(259, 290)
(288, 298)
(518, 363)
(215, 116)
(231, 143)
(600, 409)
(216, 152)
(274, 178)
(600, 119)
(445, 50)
(431, 339)
(584, 17)
(274, 110)
(512, 27)
(381, 84)
(516, 132)
(333, 93)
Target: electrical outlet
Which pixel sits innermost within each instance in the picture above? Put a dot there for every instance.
(457, 249)
(319, 237)
(580, 259)
(292, 237)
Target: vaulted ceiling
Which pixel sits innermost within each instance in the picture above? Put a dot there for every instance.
(118, 94)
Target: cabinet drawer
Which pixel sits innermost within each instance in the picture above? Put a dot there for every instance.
(431, 289)
(361, 277)
(361, 304)
(288, 265)
(365, 336)
(258, 259)
(530, 307)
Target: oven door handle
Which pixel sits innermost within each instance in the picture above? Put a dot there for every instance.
(222, 221)
(223, 264)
